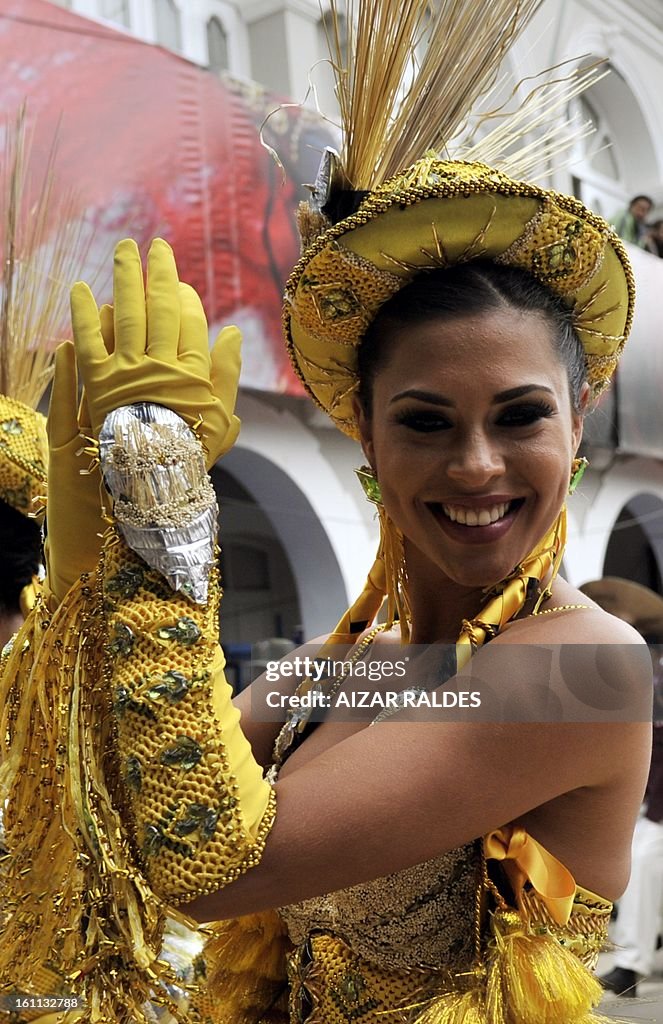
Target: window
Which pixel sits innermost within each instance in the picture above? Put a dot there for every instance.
(115, 10)
(217, 45)
(601, 149)
(168, 26)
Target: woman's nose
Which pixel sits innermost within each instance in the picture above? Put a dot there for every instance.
(476, 461)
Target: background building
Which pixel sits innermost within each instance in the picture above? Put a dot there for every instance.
(290, 507)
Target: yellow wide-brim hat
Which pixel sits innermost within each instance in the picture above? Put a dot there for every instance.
(438, 214)
(23, 457)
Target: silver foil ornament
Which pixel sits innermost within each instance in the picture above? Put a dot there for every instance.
(165, 505)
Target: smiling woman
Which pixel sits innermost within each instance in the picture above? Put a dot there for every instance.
(394, 863)
(474, 457)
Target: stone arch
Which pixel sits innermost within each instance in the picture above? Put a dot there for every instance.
(635, 484)
(320, 588)
(635, 547)
(625, 103)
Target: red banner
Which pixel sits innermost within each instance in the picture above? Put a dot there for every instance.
(155, 145)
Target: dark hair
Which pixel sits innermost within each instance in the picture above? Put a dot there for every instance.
(637, 199)
(20, 555)
(468, 289)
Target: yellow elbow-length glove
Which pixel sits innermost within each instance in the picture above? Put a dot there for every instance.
(199, 806)
(161, 349)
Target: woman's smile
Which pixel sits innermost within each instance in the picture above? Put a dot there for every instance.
(479, 521)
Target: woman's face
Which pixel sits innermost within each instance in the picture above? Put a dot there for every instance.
(472, 435)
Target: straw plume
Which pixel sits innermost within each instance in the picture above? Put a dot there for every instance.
(42, 251)
(395, 105)
(527, 142)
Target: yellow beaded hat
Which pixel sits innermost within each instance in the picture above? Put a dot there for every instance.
(23, 457)
(371, 226)
(435, 214)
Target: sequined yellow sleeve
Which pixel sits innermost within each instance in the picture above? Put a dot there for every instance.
(127, 782)
(200, 808)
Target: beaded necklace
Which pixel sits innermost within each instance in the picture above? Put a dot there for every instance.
(297, 720)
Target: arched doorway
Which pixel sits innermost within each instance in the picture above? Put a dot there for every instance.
(635, 547)
(259, 592)
(260, 603)
(285, 511)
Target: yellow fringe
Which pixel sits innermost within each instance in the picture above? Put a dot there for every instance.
(456, 1008)
(391, 552)
(541, 982)
(246, 966)
(527, 978)
(73, 899)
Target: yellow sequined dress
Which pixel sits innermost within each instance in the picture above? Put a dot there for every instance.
(375, 952)
(382, 950)
(379, 946)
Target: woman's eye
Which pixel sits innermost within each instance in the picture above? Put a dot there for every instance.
(424, 422)
(524, 415)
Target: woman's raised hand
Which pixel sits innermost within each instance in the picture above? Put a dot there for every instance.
(160, 349)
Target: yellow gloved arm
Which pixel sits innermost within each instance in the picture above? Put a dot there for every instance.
(74, 516)
(201, 810)
(161, 349)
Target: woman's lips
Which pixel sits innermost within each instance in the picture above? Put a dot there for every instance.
(478, 523)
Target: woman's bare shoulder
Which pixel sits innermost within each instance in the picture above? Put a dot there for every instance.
(569, 616)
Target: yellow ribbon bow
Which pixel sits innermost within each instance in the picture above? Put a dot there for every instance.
(528, 861)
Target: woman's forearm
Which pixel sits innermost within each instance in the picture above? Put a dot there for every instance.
(200, 808)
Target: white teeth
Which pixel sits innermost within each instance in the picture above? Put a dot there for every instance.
(476, 517)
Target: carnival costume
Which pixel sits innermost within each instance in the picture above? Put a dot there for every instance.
(131, 785)
(37, 265)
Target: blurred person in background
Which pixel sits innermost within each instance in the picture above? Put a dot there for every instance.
(655, 242)
(640, 909)
(630, 224)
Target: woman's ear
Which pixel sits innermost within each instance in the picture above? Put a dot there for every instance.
(365, 431)
(584, 399)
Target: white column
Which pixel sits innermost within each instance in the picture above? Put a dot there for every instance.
(284, 44)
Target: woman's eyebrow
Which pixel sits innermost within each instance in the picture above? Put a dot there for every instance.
(437, 399)
(424, 396)
(524, 389)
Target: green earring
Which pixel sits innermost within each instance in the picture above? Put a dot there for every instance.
(370, 486)
(578, 467)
